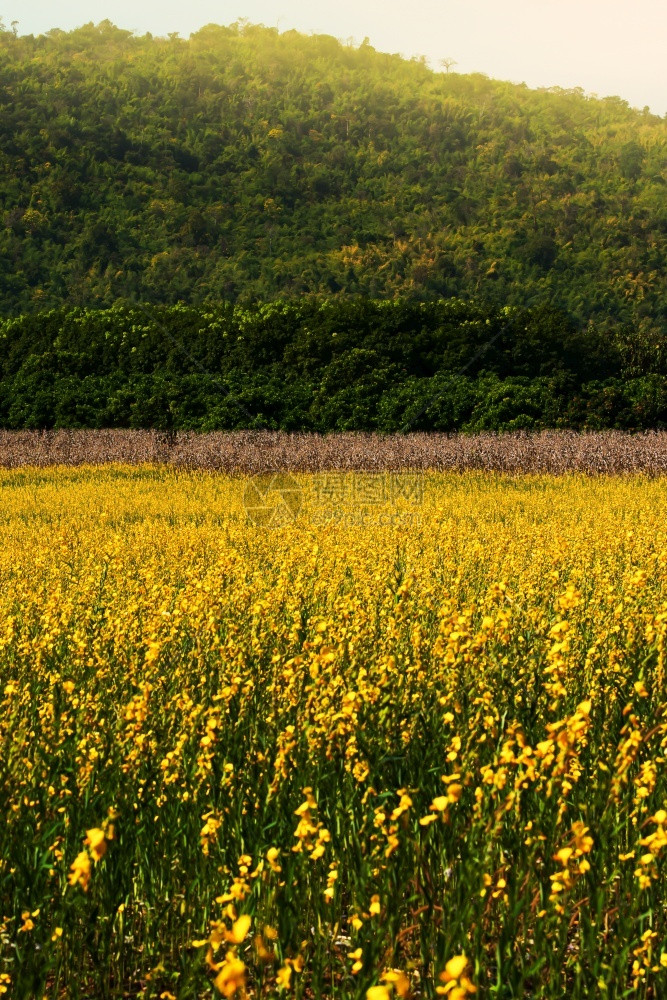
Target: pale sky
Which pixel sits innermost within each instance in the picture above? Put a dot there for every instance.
(608, 47)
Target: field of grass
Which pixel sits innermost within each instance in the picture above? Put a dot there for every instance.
(255, 452)
(332, 735)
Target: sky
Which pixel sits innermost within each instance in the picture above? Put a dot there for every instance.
(607, 47)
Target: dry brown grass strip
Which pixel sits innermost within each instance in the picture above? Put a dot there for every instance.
(265, 451)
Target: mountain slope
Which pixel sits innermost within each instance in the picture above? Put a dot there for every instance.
(245, 164)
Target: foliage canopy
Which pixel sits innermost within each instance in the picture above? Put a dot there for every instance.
(326, 365)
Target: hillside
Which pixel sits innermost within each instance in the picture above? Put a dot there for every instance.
(246, 165)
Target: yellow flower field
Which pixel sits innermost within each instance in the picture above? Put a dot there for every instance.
(389, 742)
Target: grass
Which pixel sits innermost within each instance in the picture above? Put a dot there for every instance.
(256, 452)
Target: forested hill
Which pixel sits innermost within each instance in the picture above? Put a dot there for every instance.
(245, 165)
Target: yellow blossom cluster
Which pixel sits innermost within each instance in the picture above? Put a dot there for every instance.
(420, 752)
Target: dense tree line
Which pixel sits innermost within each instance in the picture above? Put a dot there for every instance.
(338, 364)
(246, 165)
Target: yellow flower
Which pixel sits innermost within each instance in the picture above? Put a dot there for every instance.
(378, 993)
(454, 968)
(398, 980)
(152, 652)
(80, 870)
(239, 929)
(582, 842)
(457, 985)
(454, 792)
(358, 964)
(284, 976)
(272, 856)
(96, 842)
(564, 855)
(231, 976)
